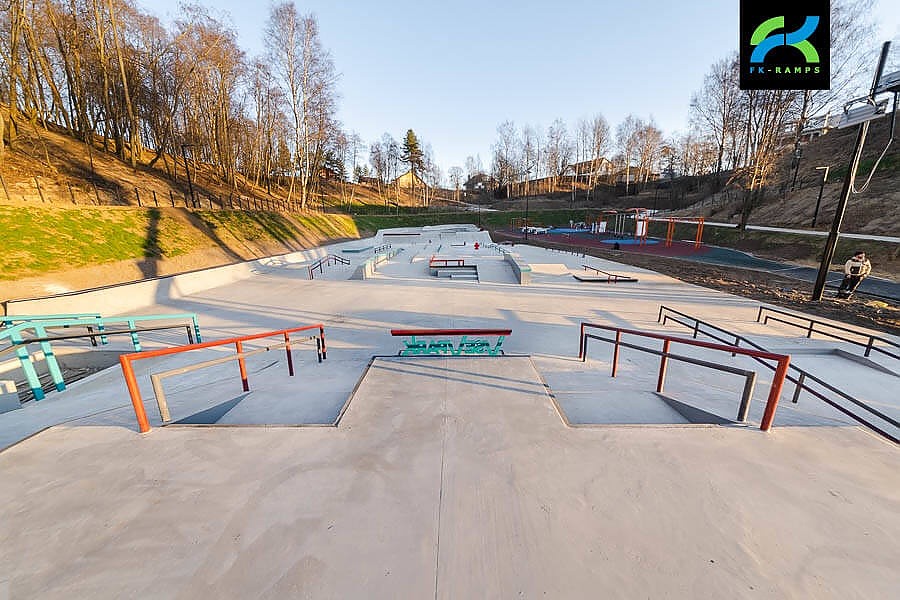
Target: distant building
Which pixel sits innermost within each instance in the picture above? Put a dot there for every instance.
(374, 181)
(328, 174)
(634, 175)
(409, 180)
(590, 170)
(480, 182)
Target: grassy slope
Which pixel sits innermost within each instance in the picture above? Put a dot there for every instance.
(42, 240)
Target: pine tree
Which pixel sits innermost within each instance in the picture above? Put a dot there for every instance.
(412, 153)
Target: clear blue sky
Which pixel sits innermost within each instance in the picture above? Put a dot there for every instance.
(452, 71)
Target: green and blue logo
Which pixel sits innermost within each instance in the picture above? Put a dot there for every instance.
(765, 39)
(788, 51)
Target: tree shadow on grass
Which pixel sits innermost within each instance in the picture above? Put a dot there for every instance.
(149, 264)
(278, 229)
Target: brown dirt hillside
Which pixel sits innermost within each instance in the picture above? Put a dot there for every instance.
(874, 211)
(47, 166)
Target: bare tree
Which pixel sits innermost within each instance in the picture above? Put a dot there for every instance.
(627, 142)
(649, 139)
(506, 156)
(558, 151)
(717, 106)
(307, 74)
(768, 115)
(456, 179)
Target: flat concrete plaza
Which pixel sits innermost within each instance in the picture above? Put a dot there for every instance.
(527, 475)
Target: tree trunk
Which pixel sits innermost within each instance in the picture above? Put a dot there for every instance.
(134, 128)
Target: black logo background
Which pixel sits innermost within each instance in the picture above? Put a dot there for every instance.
(754, 12)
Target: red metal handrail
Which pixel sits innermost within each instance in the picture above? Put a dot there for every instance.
(777, 382)
(408, 332)
(134, 391)
(445, 262)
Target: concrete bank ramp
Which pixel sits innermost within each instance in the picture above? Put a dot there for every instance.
(450, 478)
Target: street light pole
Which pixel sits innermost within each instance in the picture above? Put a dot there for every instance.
(831, 244)
(798, 154)
(821, 189)
(526, 218)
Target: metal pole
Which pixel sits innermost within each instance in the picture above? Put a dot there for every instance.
(821, 189)
(135, 392)
(831, 244)
(526, 218)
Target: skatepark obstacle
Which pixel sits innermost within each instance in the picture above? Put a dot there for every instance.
(799, 377)
(783, 361)
(134, 391)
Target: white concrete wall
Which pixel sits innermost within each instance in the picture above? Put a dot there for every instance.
(129, 297)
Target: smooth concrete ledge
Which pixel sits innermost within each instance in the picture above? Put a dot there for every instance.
(368, 268)
(519, 267)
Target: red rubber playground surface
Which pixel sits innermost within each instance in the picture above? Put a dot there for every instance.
(626, 244)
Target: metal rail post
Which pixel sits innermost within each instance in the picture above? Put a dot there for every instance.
(615, 365)
(242, 365)
(663, 361)
(50, 358)
(775, 393)
(287, 349)
(135, 392)
(581, 344)
(799, 388)
(747, 395)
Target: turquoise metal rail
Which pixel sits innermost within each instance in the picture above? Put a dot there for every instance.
(39, 328)
(9, 320)
(13, 319)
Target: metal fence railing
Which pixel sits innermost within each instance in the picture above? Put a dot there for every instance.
(800, 377)
(782, 360)
(809, 324)
(37, 330)
(134, 391)
(326, 261)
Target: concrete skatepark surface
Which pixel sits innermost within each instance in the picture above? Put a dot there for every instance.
(451, 477)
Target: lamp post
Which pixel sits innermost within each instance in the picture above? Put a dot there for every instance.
(821, 189)
(798, 154)
(187, 169)
(574, 177)
(526, 172)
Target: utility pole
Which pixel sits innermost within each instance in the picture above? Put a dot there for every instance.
(831, 244)
(821, 189)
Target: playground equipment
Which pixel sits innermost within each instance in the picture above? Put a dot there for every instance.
(434, 346)
(134, 391)
(616, 223)
(781, 370)
(39, 328)
(670, 229)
